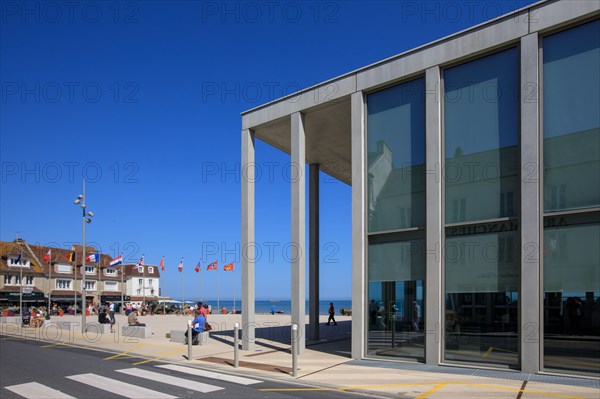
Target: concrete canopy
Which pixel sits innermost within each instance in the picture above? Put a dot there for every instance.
(328, 141)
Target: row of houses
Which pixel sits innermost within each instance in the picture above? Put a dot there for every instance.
(42, 272)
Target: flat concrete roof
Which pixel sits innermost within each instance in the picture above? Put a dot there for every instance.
(326, 106)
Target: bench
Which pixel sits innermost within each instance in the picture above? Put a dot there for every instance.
(179, 336)
(136, 331)
(97, 328)
(10, 320)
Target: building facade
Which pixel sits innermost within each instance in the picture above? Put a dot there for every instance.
(56, 274)
(474, 163)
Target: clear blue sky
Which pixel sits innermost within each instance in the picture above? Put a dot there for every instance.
(143, 99)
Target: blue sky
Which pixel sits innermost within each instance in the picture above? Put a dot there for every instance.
(143, 100)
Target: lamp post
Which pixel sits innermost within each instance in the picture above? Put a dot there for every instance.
(84, 220)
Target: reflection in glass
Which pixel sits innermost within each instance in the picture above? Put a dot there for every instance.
(572, 294)
(571, 118)
(396, 146)
(481, 285)
(481, 126)
(396, 275)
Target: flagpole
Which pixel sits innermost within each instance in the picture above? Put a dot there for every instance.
(233, 291)
(99, 289)
(122, 267)
(74, 284)
(182, 290)
(218, 305)
(201, 297)
(49, 279)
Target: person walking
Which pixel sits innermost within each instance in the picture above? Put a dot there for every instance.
(111, 314)
(331, 314)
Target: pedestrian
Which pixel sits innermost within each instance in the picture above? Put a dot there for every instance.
(331, 314)
(416, 315)
(111, 313)
(273, 309)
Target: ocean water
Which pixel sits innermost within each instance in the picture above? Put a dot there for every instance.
(284, 306)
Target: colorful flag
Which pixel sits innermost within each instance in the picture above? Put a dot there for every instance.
(92, 258)
(116, 261)
(162, 264)
(213, 266)
(197, 268)
(139, 264)
(48, 255)
(71, 256)
(228, 267)
(180, 267)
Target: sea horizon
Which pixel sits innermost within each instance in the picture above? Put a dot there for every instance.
(266, 305)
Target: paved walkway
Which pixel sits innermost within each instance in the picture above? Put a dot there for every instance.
(324, 365)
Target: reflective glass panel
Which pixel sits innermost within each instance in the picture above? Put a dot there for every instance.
(395, 291)
(571, 120)
(396, 157)
(481, 126)
(572, 293)
(482, 296)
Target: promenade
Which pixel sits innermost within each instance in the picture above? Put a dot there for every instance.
(325, 364)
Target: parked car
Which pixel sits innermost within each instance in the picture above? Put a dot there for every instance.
(346, 311)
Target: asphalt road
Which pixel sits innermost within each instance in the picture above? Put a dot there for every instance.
(35, 369)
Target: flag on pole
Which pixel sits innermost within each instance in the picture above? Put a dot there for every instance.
(140, 263)
(71, 256)
(180, 266)
(116, 261)
(197, 268)
(92, 258)
(19, 257)
(162, 264)
(48, 255)
(228, 267)
(213, 266)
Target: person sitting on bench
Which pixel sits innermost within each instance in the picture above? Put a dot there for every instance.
(198, 325)
(132, 319)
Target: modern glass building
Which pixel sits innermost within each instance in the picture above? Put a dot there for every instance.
(474, 163)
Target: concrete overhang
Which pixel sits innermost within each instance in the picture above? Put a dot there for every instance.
(326, 106)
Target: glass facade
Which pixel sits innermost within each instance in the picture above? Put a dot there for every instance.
(396, 221)
(481, 188)
(571, 183)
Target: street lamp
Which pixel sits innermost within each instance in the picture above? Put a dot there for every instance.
(84, 220)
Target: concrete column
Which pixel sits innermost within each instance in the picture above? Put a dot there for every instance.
(248, 256)
(434, 216)
(298, 225)
(359, 229)
(313, 250)
(530, 296)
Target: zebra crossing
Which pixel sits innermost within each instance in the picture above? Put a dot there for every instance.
(35, 390)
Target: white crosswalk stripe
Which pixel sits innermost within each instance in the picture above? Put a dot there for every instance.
(119, 387)
(35, 390)
(210, 374)
(167, 379)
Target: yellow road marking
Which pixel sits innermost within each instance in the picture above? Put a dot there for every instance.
(529, 391)
(158, 358)
(432, 390)
(487, 352)
(54, 345)
(124, 353)
(438, 386)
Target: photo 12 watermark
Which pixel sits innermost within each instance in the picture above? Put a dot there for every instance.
(69, 92)
(270, 12)
(69, 12)
(127, 172)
